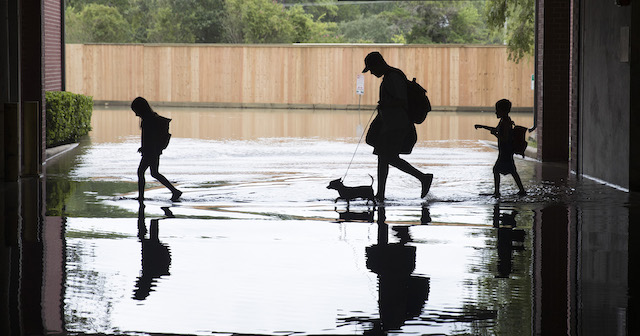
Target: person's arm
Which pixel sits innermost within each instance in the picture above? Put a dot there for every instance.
(493, 130)
(141, 136)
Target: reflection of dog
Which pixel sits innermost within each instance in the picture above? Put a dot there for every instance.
(351, 193)
(356, 216)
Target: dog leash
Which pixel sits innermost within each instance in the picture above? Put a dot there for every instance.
(359, 141)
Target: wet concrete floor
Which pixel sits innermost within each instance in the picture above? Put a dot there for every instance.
(258, 244)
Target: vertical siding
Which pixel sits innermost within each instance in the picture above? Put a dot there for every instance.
(291, 74)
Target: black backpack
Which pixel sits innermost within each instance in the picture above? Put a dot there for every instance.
(165, 136)
(162, 135)
(419, 104)
(519, 139)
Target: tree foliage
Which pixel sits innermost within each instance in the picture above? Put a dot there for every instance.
(517, 19)
(279, 21)
(96, 23)
(455, 22)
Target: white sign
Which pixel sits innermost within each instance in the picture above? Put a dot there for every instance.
(360, 84)
(533, 82)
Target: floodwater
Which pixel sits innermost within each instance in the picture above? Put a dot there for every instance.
(258, 244)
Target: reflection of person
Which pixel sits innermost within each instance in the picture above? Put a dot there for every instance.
(153, 142)
(392, 132)
(156, 257)
(507, 235)
(504, 132)
(401, 295)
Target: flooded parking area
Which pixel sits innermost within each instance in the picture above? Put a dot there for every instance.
(259, 246)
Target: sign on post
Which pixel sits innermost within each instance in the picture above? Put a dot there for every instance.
(360, 84)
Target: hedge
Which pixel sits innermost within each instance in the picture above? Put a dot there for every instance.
(68, 117)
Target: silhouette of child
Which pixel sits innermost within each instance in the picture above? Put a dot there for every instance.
(152, 146)
(504, 132)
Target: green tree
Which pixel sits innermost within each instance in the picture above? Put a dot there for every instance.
(319, 9)
(96, 23)
(370, 29)
(202, 19)
(119, 4)
(140, 14)
(517, 19)
(258, 21)
(166, 27)
(401, 18)
(309, 30)
(265, 21)
(451, 22)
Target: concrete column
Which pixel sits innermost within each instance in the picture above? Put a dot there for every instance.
(634, 173)
(552, 69)
(32, 58)
(31, 140)
(634, 131)
(11, 142)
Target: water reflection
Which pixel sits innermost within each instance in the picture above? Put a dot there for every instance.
(256, 247)
(401, 295)
(115, 124)
(156, 256)
(365, 214)
(81, 280)
(509, 239)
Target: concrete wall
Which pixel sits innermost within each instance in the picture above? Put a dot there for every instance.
(604, 103)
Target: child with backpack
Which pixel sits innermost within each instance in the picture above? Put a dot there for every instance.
(505, 134)
(155, 138)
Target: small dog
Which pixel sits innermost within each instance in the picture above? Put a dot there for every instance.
(351, 193)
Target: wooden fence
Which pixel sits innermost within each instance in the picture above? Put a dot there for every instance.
(291, 74)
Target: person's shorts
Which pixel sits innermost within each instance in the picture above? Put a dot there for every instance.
(505, 165)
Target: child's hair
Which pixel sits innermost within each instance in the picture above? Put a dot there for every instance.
(503, 105)
(141, 106)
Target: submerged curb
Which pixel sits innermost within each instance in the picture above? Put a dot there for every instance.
(59, 150)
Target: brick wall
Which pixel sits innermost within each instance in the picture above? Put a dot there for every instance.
(53, 80)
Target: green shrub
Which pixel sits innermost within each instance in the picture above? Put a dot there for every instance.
(68, 117)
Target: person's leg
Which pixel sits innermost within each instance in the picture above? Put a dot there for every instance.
(406, 167)
(383, 172)
(142, 168)
(156, 174)
(496, 182)
(516, 177)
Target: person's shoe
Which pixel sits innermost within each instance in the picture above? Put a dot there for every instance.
(176, 196)
(522, 193)
(426, 184)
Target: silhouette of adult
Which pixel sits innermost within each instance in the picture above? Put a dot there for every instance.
(154, 140)
(392, 132)
(401, 295)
